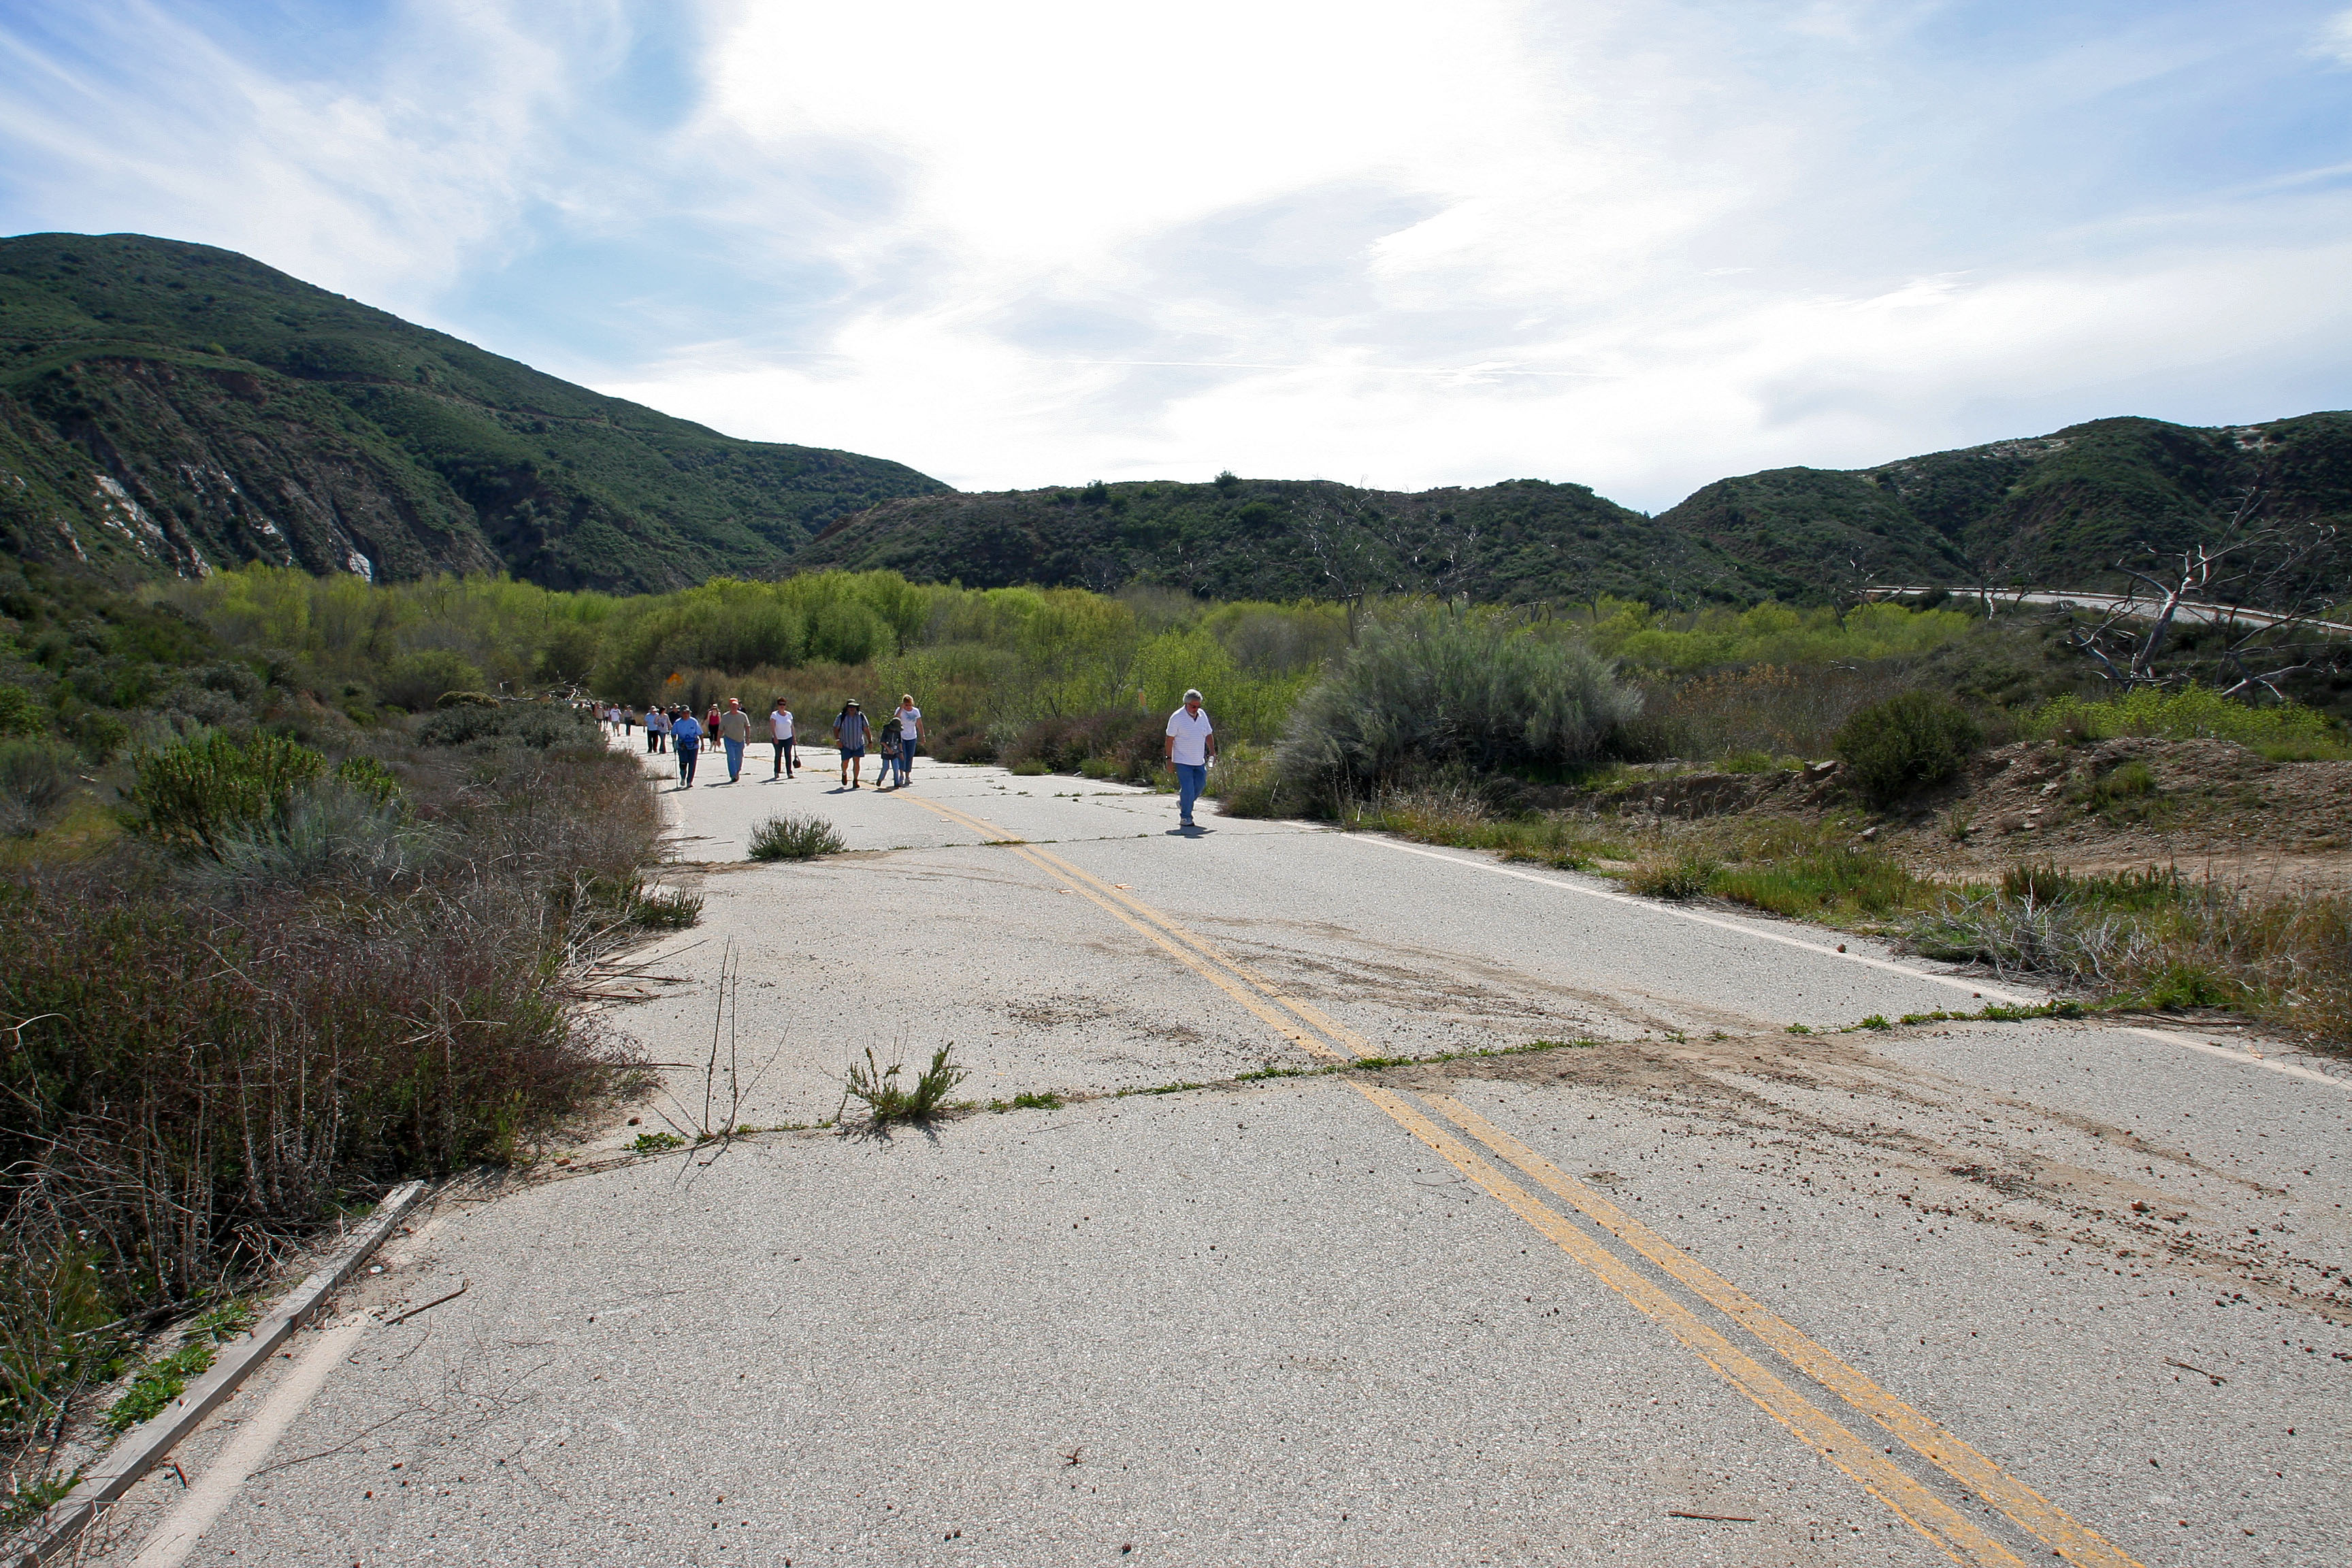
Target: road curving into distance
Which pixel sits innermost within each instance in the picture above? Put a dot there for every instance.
(1653, 1279)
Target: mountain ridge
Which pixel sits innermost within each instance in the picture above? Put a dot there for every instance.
(2060, 506)
(171, 406)
(167, 408)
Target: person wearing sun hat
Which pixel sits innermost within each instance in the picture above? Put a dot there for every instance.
(849, 732)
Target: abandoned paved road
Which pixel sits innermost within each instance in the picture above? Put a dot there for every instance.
(1681, 1286)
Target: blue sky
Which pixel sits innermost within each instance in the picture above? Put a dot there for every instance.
(1636, 246)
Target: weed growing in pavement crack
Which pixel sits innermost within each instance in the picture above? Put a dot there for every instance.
(1028, 1100)
(887, 1100)
(791, 835)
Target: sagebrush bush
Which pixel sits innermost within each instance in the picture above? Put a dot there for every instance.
(1429, 687)
(1914, 739)
(792, 835)
(540, 724)
(34, 781)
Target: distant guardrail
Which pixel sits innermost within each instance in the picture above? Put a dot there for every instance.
(2135, 606)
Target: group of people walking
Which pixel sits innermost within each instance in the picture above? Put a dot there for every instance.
(893, 742)
(1192, 743)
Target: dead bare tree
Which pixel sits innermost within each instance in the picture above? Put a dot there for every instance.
(2260, 583)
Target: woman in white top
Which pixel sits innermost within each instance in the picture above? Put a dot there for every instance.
(656, 730)
(910, 729)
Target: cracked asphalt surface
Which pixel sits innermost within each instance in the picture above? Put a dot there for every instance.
(1296, 1319)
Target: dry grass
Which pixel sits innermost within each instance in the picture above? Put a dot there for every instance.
(209, 1043)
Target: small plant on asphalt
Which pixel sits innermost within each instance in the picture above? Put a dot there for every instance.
(655, 1143)
(792, 837)
(1028, 1100)
(886, 1100)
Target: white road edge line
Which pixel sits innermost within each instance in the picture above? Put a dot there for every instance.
(214, 1489)
(169, 1544)
(1650, 906)
(143, 1446)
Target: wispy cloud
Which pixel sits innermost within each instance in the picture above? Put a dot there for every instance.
(2334, 40)
(1634, 245)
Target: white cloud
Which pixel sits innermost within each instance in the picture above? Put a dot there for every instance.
(1635, 243)
(384, 184)
(2334, 40)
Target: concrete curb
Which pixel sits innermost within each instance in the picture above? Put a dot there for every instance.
(144, 1447)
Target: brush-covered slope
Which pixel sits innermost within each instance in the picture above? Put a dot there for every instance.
(167, 407)
(1520, 540)
(2058, 509)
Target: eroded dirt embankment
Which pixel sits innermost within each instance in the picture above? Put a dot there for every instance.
(2210, 807)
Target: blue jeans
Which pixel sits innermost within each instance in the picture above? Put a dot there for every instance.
(1192, 778)
(734, 760)
(686, 751)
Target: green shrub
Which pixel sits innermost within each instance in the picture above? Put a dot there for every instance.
(1895, 748)
(368, 777)
(193, 795)
(21, 712)
(417, 681)
(1431, 688)
(101, 735)
(791, 836)
(2281, 731)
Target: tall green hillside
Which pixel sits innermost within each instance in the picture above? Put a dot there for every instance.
(173, 408)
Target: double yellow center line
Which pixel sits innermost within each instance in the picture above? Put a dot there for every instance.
(1319, 1035)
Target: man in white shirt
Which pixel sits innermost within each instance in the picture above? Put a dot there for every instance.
(780, 726)
(1191, 742)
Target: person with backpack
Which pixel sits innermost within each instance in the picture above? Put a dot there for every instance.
(910, 730)
(1191, 742)
(780, 727)
(850, 731)
(686, 735)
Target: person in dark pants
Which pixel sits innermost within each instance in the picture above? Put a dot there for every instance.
(780, 730)
(685, 737)
(656, 730)
(910, 731)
